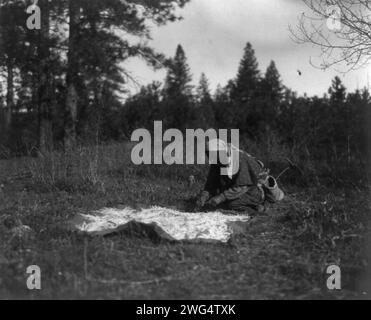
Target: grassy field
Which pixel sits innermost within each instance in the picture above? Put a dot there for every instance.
(283, 256)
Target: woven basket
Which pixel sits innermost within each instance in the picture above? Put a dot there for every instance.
(273, 192)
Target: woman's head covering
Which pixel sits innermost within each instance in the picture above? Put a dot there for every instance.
(216, 145)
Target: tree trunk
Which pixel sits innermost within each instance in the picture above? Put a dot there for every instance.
(72, 77)
(9, 96)
(348, 150)
(45, 92)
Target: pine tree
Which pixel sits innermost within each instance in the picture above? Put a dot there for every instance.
(178, 95)
(270, 95)
(271, 84)
(203, 90)
(22, 56)
(204, 113)
(11, 49)
(178, 78)
(45, 91)
(97, 52)
(248, 77)
(224, 107)
(142, 109)
(244, 92)
(337, 115)
(337, 91)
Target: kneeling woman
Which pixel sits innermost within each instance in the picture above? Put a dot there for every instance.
(245, 189)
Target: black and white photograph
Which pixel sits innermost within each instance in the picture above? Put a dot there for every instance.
(172, 152)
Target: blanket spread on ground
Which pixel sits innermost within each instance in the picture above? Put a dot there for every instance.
(164, 222)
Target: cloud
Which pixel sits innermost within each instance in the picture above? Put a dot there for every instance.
(214, 33)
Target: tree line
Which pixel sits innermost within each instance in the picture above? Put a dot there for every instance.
(65, 83)
(332, 128)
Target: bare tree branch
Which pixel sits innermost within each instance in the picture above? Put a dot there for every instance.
(340, 28)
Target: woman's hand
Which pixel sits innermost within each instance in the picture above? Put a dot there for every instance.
(217, 200)
(202, 199)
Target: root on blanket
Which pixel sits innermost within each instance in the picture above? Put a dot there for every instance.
(162, 223)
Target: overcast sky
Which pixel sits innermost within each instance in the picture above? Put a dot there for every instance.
(214, 33)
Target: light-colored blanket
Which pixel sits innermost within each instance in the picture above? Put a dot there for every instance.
(167, 223)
